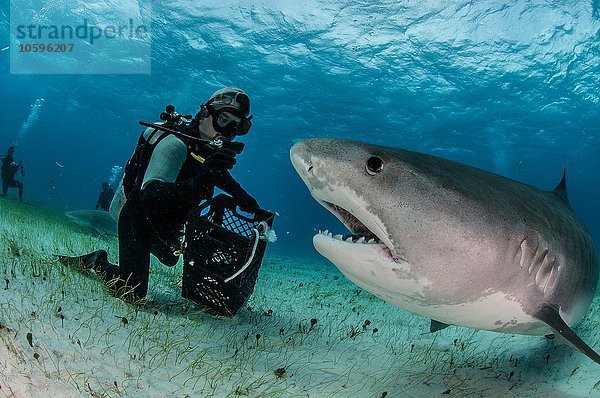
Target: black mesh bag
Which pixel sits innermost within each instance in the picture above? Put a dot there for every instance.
(222, 256)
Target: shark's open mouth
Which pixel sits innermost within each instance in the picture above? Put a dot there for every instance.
(360, 233)
(358, 229)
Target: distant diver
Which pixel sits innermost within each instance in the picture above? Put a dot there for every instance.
(9, 169)
(105, 197)
(174, 167)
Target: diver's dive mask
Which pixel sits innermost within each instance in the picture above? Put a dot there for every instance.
(229, 121)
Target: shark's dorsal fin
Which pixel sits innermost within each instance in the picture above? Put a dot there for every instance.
(550, 315)
(561, 188)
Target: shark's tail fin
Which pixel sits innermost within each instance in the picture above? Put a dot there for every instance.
(549, 314)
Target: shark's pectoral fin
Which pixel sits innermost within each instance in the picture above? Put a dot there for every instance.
(549, 314)
(436, 326)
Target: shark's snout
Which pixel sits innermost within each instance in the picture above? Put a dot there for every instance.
(99, 220)
(300, 157)
(330, 183)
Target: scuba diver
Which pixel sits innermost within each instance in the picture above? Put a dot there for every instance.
(9, 169)
(105, 197)
(169, 174)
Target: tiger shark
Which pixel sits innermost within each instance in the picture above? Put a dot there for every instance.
(451, 242)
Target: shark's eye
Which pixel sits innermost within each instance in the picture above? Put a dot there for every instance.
(374, 165)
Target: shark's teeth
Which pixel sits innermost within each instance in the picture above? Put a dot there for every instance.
(351, 238)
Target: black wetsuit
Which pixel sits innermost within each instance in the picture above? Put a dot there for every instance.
(9, 169)
(152, 219)
(104, 199)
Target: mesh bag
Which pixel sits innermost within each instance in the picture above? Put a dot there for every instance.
(219, 243)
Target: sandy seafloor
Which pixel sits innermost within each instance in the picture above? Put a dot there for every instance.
(63, 335)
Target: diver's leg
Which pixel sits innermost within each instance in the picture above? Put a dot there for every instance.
(134, 250)
(166, 206)
(97, 260)
(104, 268)
(85, 261)
(4, 187)
(20, 186)
(165, 254)
(10, 183)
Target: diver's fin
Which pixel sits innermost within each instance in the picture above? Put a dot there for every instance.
(91, 260)
(549, 314)
(436, 326)
(561, 188)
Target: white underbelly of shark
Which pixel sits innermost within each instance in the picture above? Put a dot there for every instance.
(373, 269)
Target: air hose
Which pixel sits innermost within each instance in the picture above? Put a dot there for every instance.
(257, 237)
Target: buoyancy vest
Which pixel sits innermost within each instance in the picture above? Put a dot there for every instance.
(136, 167)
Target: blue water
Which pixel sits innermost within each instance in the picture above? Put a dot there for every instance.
(508, 86)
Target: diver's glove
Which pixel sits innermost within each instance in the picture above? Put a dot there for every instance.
(243, 199)
(219, 161)
(246, 202)
(215, 165)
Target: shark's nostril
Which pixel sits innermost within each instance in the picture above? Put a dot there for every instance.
(310, 168)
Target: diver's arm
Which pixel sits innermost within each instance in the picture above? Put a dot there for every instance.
(162, 194)
(173, 200)
(166, 161)
(228, 184)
